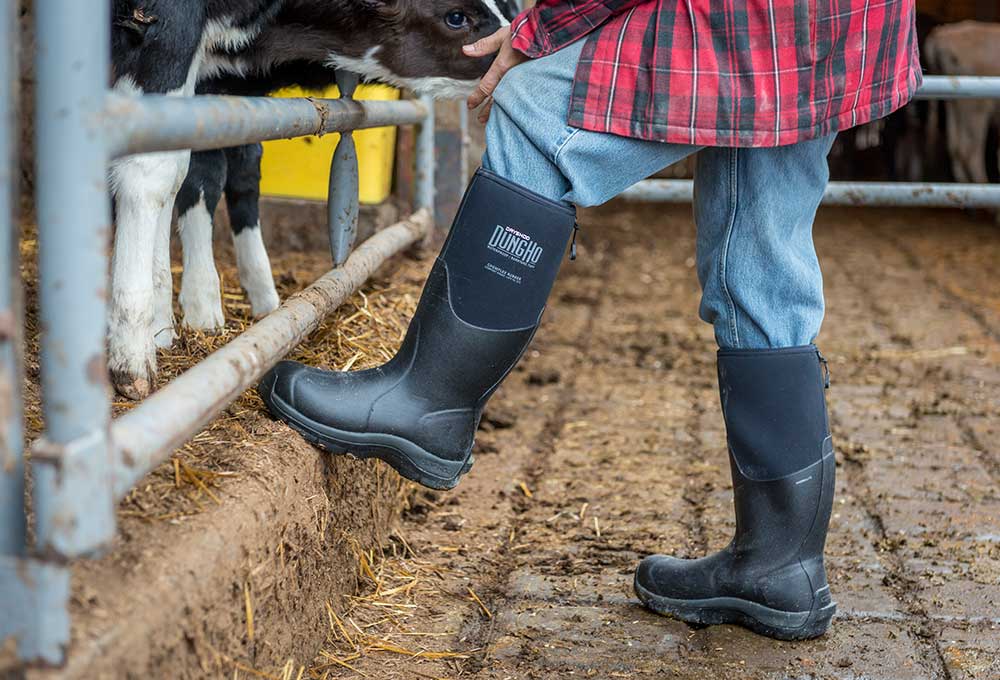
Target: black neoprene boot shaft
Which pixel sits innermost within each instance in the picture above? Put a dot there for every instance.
(480, 307)
(771, 577)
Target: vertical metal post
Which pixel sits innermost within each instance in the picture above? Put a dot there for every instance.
(12, 519)
(425, 159)
(33, 595)
(342, 201)
(463, 126)
(452, 174)
(73, 497)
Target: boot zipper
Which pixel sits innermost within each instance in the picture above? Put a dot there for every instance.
(572, 245)
(826, 369)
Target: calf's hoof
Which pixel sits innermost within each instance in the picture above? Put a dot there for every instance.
(132, 353)
(133, 374)
(264, 302)
(203, 313)
(132, 387)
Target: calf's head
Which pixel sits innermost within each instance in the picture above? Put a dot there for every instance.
(417, 44)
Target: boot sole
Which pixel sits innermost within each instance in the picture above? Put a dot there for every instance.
(408, 459)
(773, 623)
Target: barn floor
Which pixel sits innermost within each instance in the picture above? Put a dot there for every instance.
(607, 444)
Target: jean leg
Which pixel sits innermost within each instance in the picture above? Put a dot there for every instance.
(528, 122)
(754, 208)
(529, 142)
(512, 154)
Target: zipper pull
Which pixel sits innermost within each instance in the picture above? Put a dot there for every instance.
(572, 245)
(826, 369)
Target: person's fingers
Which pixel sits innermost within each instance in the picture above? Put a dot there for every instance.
(487, 45)
(484, 113)
(488, 83)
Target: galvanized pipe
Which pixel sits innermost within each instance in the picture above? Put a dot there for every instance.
(12, 519)
(73, 502)
(74, 506)
(342, 199)
(451, 143)
(162, 123)
(912, 194)
(425, 158)
(148, 434)
(959, 87)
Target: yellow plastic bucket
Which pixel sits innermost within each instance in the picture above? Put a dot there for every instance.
(300, 168)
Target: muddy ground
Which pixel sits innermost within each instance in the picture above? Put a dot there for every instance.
(607, 444)
(258, 557)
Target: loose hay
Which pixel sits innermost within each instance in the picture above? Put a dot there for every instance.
(362, 333)
(388, 617)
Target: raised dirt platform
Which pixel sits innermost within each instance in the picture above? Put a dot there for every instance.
(232, 555)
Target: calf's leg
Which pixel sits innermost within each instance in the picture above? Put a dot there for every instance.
(163, 283)
(200, 297)
(145, 187)
(243, 201)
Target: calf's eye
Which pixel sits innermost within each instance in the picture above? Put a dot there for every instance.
(456, 19)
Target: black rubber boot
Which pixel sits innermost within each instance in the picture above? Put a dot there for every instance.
(771, 577)
(479, 310)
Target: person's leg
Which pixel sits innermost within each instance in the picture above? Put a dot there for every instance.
(763, 293)
(754, 208)
(485, 295)
(529, 142)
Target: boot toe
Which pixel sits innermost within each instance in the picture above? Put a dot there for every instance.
(674, 578)
(649, 574)
(335, 399)
(280, 382)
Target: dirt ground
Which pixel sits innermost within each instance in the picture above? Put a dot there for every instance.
(257, 557)
(607, 444)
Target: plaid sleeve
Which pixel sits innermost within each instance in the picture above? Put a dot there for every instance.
(553, 24)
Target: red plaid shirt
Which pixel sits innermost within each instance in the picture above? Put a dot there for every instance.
(729, 72)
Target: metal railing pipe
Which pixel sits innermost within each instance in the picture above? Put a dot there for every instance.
(12, 519)
(451, 144)
(902, 194)
(163, 123)
(425, 158)
(913, 194)
(147, 435)
(73, 501)
(71, 467)
(959, 87)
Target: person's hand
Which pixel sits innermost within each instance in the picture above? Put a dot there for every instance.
(507, 58)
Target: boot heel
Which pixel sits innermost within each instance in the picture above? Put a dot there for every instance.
(816, 624)
(819, 621)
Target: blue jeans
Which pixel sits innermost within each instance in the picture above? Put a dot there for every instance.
(754, 208)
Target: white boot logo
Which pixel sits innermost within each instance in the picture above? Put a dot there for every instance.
(515, 245)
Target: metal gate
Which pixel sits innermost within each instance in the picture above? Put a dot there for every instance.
(86, 462)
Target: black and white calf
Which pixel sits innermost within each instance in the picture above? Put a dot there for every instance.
(180, 47)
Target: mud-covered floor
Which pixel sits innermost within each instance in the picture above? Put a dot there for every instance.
(607, 444)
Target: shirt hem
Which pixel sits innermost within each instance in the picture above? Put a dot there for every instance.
(734, 137)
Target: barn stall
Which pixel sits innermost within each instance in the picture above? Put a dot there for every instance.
(244, 553)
